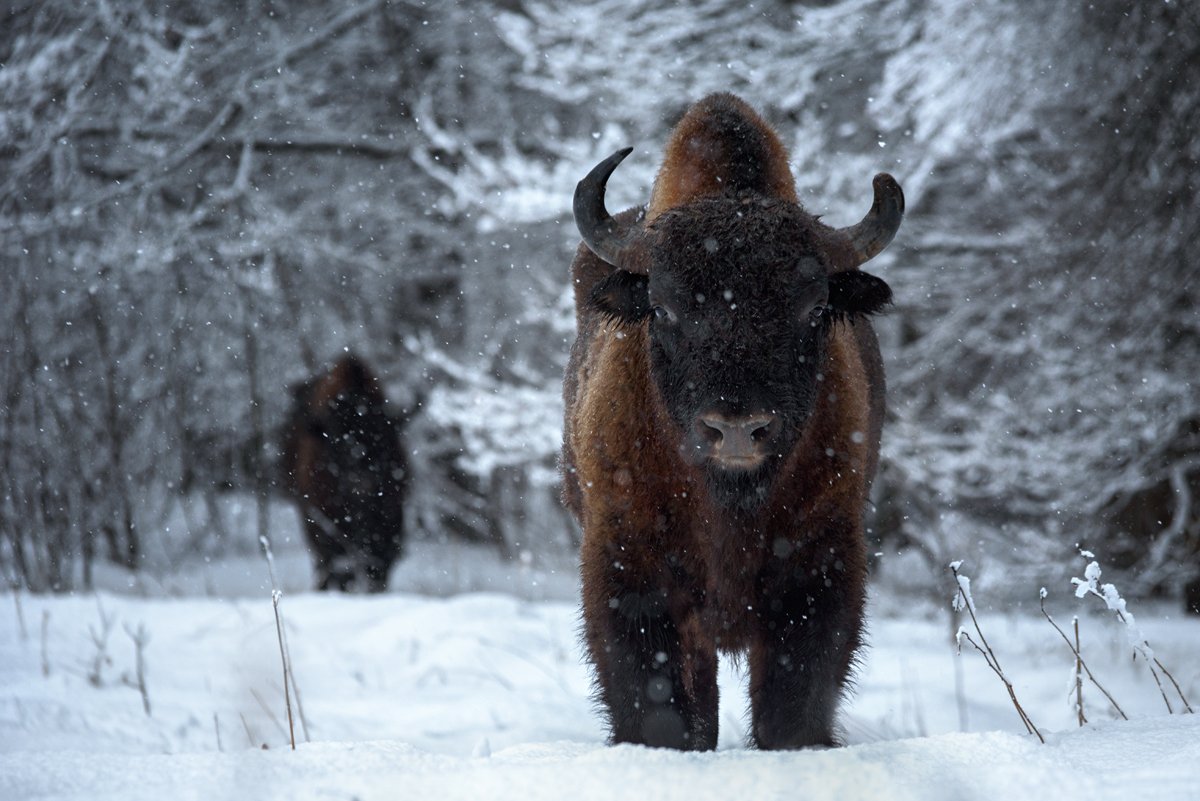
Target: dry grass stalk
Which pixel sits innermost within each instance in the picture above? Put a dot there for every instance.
(140, 638)
(266, 710)
(95, 675)
(1079, 661)
(16, 591)
(45, 637)
(989, 655)
(287, 694)
(290, 688)
(246, 728)
(1078, 676)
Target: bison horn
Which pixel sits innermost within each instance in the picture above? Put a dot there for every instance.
(870, 236)
(601, 233)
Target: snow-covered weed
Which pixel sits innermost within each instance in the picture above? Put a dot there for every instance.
(1091, 585)
(1108, 593)
(1079, 667)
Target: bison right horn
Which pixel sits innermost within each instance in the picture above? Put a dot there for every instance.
(870, 236)
(600, 232)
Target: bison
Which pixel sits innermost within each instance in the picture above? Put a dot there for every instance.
(724, 400)
(344, 464)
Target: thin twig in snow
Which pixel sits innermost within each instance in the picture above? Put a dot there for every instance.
(1078, 675)
(45, 637)
(140, 638)
(16, 591)
(246, 727)
(291, 673)
(1187, 706)
(960, 697)
(95, 675)
(990, 660)
(267, 711)
(287, 695)
(1079, 659)
(989, 655)
(290, 687)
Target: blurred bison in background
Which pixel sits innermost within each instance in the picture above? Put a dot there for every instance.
(724, 401)
(345, 466)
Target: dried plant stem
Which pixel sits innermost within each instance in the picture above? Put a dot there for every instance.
(1078, 676)
(20, 613)
(1012, 694)
(246, 727)
(45, 637)
(960, 697)
(95, 675)
(1079, 661)
(989, 656)
(140, 638)
(1158, 680)
(287, 694)
(271, 716)
(1175, 684)
(1151, 661)
(295, 688)
(217, 729)
(289, 679)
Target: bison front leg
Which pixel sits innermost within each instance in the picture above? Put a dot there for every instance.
(657, 679)
(809, 628)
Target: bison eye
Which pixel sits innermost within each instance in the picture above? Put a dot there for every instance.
(663, 315)
(814, 314)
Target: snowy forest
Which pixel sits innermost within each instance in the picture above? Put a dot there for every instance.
(206, 203)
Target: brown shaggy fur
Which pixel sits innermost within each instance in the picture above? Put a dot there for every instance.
(721, 142)
(669, 576)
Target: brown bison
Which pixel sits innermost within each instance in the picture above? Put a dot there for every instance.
(345, 466)
(724, 400)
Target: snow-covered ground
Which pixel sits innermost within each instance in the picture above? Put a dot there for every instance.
(467, 681)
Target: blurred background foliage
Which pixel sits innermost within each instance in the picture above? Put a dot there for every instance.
(204, 202)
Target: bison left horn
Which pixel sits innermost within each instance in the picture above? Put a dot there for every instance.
(870, 236)
(601, 233)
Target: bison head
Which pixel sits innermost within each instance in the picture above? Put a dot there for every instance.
(739, 292)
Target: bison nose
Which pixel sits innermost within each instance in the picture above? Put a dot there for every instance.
(737, 441)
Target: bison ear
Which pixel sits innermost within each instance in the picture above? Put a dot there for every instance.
(623, 296)
(854, 292)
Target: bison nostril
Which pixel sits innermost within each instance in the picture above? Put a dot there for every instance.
(761, 429)
(711, 430)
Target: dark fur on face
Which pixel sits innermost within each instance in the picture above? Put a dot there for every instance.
(739, 301)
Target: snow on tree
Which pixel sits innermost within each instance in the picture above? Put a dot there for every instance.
(200, 204)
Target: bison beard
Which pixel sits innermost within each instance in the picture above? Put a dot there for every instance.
(724, 401)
